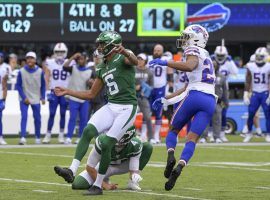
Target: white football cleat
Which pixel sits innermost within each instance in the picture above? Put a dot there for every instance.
(267, 138)
(223, 137)
(248, 137)
(77, 141)
(61, 139)
(133, 185)
(68, 141)
(203, 141)
(38, 141)
(218, 140)
(153, 141)
(47, 139)
(22, 141)
(2, 141)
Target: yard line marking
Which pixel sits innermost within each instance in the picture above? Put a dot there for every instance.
(226, 167)
(44, 191)
(195, 189)
(67, 185)
(35, 154)
(159, 194)
(36, 182)
(262, 187)
(238, 149)
(243, 164)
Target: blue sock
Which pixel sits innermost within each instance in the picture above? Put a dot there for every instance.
(188, 151)
(171, 140)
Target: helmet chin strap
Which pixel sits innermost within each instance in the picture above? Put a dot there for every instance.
(260, 64)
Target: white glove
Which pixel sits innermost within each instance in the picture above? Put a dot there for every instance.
(136, 178)
(246, 98)
(268, 100)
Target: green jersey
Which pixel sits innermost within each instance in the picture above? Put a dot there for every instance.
(133, 148)
(119, 79)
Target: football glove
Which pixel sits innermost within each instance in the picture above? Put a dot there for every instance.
(50, 96)
(158, 61)
(2, 105)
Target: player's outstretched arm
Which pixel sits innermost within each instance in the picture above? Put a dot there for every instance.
(130, 58)
(85, 95)
(188, 66)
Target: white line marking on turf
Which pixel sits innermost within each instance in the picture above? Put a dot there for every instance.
(44, 191)
(159, 194)
(262, 187)
(237, 149)
(195, 189)
(67, 185)
(35, 154)
(36, 182)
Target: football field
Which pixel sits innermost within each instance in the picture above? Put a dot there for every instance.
(224, 171)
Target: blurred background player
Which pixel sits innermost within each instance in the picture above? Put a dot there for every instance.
(199, 103)
(221, 90)
(31, 87)
(6, 66)
(161, 75)
(80, 75)
(56, 76)
(257, 80)
(128, 155)
(3, 95)
(227, 67)
(144, 85)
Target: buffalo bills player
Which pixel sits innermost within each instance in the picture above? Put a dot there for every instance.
(257, 79)
(199, 103)
(56, 76)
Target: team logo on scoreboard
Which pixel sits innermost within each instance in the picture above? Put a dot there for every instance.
(213, 17)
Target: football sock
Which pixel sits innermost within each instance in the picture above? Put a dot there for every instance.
(188, 151)
(144, 130)
(171, 139)
(99, 180)
(74, 166)
(89, 132)
(157, 130)
(106, 150)
(80, 183)
(146, 154)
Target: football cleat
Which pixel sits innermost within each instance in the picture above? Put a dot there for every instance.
(170, 164)
(2, 141)
(267, 138)
(77, 141)
(133, 185)
(68, 141)
(173, 177)
(37, 141)
(202, 140)
(248, 137)
(47, 139)
(218, 140)
(22, 141)
(61, 139)
(66, 173)
(94, 190)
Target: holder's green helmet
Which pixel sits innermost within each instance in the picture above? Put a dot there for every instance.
(106, 41)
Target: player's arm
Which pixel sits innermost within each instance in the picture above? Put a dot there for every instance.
(248, 81)
(170, 78)
(47, 74)
(85, 95)
(67, 65)
(130, 58)
(4, 86)
(188, 66)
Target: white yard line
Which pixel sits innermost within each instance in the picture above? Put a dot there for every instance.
(44, 191)
(35, 154)
(67, 185)
(263, 187)
(159, 194)
(236, 149)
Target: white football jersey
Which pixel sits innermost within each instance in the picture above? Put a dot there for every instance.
(58, 77)
(159, 74)
(228, 67)
(180, 80)
(202, 78)
(260, 77)
(3, 73)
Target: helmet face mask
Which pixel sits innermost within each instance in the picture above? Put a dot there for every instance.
(221, 54)
(193, 35)
(221, 57)
(261, 55)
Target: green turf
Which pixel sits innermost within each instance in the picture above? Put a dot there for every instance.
(215, 172)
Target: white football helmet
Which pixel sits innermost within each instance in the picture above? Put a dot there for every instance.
(261, 54)
(193, 35)
(221, 53)
(60, 50)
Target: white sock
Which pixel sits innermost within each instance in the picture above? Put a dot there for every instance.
(144, 131)
(99, 180)
(74, 166)
(157, 130)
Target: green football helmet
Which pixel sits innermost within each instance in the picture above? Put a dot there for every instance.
(130, 133)
(106, 42)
